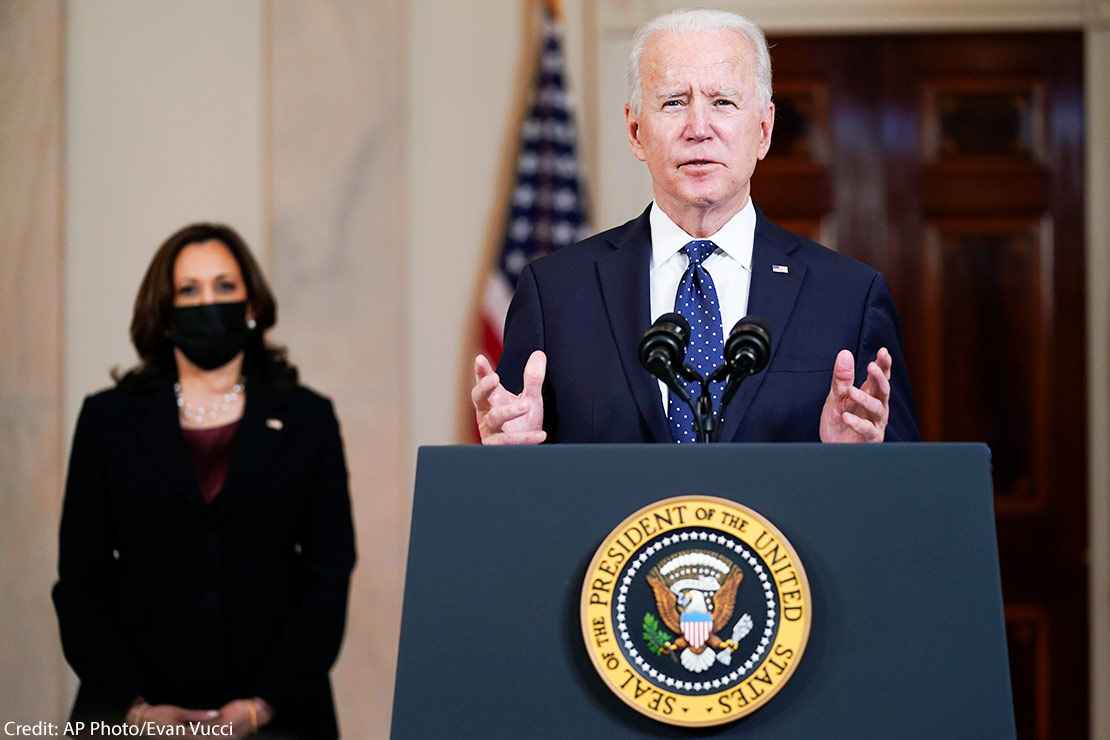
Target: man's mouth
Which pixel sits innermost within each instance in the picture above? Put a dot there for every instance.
(698, 163)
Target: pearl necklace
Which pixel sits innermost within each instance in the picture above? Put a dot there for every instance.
(199, 414)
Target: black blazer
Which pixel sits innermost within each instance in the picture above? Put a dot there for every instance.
(162, 596)
(588, 305)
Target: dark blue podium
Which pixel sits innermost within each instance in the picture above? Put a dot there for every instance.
(907, 637)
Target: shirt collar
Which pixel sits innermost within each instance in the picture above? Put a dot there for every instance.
(735, 238)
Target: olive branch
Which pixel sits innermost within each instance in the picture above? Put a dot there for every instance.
(654, 635)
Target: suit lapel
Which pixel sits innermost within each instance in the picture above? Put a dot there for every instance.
(624, 276)
(771, 297)
(159, 433)
(260, 431)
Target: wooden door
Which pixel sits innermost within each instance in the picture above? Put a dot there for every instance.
(954, 164)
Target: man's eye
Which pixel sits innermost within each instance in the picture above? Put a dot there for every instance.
(674, 102)
(723, 102)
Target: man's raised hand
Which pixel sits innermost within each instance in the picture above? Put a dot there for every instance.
(506, 418)
(859, 414)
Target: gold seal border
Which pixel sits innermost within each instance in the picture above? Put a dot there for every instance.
(595, 652)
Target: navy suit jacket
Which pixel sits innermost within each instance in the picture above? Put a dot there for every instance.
(587, 306)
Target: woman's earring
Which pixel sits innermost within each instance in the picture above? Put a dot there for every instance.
(251, 323)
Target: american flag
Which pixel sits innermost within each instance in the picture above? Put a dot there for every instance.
(547, 208)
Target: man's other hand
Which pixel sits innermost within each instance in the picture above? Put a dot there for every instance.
(857, 414)
(506, 418)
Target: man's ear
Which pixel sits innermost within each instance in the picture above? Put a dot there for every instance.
(766, 126)
(632, 126)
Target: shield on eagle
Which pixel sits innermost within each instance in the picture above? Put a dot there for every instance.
(696, 628)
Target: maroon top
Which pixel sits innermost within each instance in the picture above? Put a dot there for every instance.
(211, 450)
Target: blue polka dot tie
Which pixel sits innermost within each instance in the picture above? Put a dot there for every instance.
(696, 299)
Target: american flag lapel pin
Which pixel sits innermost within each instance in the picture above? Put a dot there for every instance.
(275, 424)
(780, 268)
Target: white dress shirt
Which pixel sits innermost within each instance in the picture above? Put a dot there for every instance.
(730, 266)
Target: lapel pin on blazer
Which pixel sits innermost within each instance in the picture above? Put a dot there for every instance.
(780, 268)
(275, 424)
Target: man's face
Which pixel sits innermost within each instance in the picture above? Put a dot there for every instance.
(701, 126)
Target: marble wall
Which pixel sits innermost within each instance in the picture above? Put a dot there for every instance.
(338, 76)
(164, 126)
(33, 681)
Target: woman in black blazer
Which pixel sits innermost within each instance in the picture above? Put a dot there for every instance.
(206, 541)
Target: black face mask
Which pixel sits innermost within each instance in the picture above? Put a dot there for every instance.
(210, 334)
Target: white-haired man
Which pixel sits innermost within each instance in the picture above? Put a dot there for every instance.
(699, 114)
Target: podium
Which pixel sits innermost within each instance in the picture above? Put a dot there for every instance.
(907, 638)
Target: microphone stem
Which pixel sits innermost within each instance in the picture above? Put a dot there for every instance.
(744, 366)
(705, 414)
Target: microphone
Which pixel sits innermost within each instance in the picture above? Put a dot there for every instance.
(747, 351)
(748, 347)
(663, 351)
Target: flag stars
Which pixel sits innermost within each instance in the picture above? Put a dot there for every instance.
(547, 209)
(524, 195)
(515, 261)
(563, 233)
(521, 229)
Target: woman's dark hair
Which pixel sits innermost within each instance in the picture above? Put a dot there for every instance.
(152, 320)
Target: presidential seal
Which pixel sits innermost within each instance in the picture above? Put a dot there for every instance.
(695, 611)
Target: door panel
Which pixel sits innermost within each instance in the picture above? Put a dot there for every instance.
(954, 164)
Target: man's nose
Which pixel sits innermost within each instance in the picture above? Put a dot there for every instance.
(697, 121)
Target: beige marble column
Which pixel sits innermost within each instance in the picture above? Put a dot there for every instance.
(163, 128)
(338, 177)
(31, 440)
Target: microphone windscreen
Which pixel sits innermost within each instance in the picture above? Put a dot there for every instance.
(678, 320)
(665, 342)
(749, 335)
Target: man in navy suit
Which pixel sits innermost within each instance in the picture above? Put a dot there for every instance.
(700, 115)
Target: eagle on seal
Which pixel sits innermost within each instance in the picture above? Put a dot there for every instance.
(695, 592)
